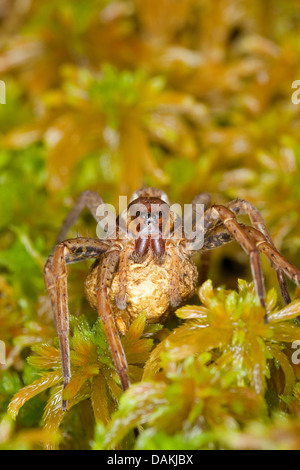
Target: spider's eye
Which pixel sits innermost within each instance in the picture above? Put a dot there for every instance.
(143, 215)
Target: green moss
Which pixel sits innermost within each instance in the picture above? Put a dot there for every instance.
(110, 96)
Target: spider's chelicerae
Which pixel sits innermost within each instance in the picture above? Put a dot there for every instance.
(147, 265)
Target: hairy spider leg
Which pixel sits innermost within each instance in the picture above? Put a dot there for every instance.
(216, 236)
(106, 270)
(239, 207)
(228, 218)
(121, 297)
(55, 275)
(175, 297)
(87, 199)
(221, 235)
(276, 259)
(205, 199)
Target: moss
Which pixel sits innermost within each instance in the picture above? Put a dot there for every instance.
(187, 98)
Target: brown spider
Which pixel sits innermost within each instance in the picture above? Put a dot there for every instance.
(149, 267)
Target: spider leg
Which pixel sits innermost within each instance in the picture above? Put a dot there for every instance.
(216, 237)
(106, 270)
(55, 275)
(89, 199)
(202, 198)
(121, 297)
(204, 269)
(175, 297)
(220, 235)
(239, 207)
(228, 218)
(205, 199)
(277, 260)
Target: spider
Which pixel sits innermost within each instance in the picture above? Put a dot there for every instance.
(149, 267)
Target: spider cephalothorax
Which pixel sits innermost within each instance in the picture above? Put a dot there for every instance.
(153, 272)
(147, 264)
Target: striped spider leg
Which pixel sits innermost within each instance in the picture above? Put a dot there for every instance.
(221, 226)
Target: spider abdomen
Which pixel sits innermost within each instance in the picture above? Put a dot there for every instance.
(147, 288)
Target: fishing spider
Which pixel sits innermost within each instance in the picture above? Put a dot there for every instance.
(149, 267)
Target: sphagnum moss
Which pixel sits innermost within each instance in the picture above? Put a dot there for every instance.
(231, 324)
(93, 374)
(213, 370)
(212, 112)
